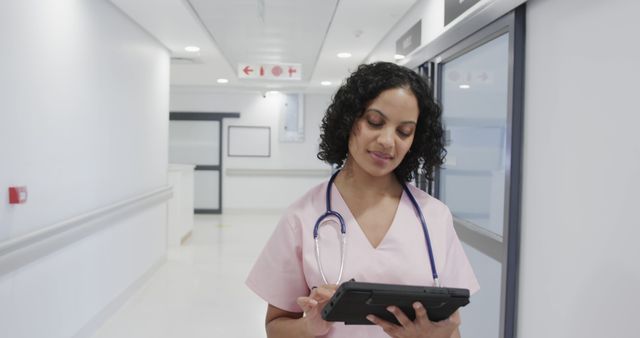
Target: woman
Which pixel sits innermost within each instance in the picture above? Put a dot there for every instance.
(382, 123)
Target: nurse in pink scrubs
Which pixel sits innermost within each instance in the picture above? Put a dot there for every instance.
(382, 124)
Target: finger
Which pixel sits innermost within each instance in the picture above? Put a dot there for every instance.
(421, 314)
(385, 325)
(400, 316)
(321, 293)
(306, 303)
(330, 287)
(453, 320)
(333, 287)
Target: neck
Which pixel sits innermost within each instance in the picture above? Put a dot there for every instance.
(354, 178)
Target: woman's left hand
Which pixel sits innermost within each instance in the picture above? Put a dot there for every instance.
(422, 327)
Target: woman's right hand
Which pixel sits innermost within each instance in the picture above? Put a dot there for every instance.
(312, 306)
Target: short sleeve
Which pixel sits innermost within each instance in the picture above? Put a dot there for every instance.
(457, 271)
(277, 274)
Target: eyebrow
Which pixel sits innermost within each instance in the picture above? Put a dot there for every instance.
(387, 118)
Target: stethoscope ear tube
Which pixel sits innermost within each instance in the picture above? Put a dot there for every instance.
(343, 247)
(342, 259)
(328, 213)
(343, 231)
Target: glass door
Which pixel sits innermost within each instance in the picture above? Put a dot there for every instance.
(474, 89)
(478, 81)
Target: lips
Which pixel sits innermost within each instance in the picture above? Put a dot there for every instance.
(380, 157)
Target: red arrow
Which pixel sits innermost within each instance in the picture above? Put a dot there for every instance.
(291, 71)
(247, 70)
(261, 71)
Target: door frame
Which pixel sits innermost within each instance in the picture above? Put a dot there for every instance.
(207, 116)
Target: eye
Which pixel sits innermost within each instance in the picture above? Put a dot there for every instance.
(405, 131)
(375, 122)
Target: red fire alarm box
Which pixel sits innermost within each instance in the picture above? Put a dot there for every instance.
(17, 195)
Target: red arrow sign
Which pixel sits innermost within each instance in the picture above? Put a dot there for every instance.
(270, 71)
(276, 71)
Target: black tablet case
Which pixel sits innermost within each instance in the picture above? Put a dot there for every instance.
(353, 301)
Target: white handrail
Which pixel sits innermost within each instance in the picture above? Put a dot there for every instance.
(17, 252)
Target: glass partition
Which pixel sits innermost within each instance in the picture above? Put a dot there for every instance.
(474, 95)
(478, 80)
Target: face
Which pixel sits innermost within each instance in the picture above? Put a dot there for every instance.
(382, 136)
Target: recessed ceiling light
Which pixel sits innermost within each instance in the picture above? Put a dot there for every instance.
(192, 49)
(344, 55)
(398, 57)
(223, 81)
(326, 83)
(464, 86)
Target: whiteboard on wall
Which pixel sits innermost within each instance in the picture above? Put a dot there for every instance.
(249, 141)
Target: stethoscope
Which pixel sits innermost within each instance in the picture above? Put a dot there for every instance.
(343, 230)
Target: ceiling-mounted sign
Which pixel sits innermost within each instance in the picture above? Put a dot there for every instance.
(410, 40)
(455, 8)
(271, 71)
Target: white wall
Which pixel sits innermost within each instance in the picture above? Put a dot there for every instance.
(431, 12)
(83, 124)
(260, 192)
(579, 272)
(72, 291)
(84, 98)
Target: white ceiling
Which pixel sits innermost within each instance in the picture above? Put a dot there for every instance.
(233, 32)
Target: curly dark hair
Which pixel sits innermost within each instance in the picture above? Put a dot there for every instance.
(357, 92)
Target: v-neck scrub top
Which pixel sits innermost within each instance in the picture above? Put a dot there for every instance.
(287, 267)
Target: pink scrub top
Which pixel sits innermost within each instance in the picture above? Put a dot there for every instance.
(287, 267)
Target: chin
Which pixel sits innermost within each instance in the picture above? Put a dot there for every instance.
(379, 172)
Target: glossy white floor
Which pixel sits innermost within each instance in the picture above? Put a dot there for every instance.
(200, 291)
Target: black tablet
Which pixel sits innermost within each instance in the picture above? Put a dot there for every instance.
(353, 301)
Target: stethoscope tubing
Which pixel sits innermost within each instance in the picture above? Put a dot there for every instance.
(343, 230)
(427, 238)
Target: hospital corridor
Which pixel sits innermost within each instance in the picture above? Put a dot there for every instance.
(325, 168)
(195, 293)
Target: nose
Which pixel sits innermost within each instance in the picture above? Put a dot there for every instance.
(385, 138)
